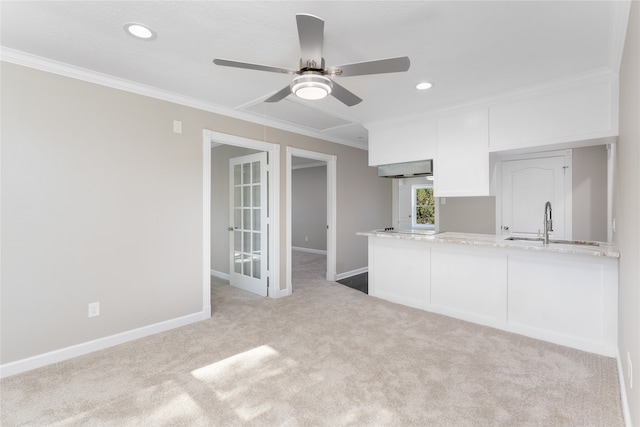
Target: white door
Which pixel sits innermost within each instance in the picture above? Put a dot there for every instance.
(248, 228)
(526, 186)
(404, 205)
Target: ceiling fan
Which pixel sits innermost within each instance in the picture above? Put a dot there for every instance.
(312, 80)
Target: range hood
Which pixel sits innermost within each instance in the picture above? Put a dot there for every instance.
(406, 170)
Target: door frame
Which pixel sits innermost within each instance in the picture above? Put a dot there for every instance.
(209, 140)
(331, 161)
(568, 184)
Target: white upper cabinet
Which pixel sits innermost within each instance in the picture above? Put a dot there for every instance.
(556, 118)
(578, 112)
(401, 141)
(461, 167)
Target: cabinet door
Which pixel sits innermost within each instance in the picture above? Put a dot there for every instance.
(570, 300)
(469, 283)
(558, 117)
(402, 141)
(399, 271)
(461, 167)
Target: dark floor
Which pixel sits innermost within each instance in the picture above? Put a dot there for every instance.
(359, 282)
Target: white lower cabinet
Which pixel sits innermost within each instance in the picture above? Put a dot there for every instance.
(399, 271)
(469, 284)
(565, 299)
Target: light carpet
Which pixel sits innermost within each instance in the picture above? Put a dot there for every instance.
(327, 355)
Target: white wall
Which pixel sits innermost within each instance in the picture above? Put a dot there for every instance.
(627, 211)
(309, 208)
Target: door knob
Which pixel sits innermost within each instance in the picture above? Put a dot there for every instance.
(230, 228)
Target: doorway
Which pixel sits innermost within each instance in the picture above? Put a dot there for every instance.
(311, 157)
(217, 214)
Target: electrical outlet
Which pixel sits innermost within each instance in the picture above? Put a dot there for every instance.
(94, 309)
(177, 126)
(306, 238)
(629, 370)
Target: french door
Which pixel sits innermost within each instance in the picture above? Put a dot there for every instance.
(249, 222)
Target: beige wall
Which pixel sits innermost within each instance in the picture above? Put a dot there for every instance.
(589, 193)
(468, 215)
(627, 211)
(94, 184)
(101, 201)
(309, 208)
(362, 198)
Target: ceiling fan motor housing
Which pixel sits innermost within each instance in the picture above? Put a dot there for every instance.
(311, 65)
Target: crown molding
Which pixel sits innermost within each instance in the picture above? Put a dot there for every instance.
(55, 67)
(621, 11)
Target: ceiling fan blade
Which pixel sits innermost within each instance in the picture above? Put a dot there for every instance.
(380, 66)
(311, 35)
(280, 95)
(250, 66)
(345, 96)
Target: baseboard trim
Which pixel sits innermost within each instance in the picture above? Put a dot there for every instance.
(34, 362)
(311, 251)
(351, 273)
(220, 275)
(623, 391)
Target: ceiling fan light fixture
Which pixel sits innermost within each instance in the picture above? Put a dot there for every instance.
(311, 86)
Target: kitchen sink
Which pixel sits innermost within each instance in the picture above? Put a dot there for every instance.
(557, 241)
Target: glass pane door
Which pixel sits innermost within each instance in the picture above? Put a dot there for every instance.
(248, 190)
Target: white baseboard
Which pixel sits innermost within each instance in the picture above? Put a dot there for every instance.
(351, 273)
(623, 391)
(220, 275)
(66, 353)
(313, 251)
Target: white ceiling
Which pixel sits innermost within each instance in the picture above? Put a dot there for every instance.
(468, 49)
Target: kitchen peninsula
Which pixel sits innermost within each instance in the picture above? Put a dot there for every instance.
(565, 293)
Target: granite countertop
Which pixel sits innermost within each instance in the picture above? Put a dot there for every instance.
(493, 241)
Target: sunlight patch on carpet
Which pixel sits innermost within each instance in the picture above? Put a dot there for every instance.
(239, 380)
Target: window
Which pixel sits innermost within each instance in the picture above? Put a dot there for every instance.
(423, 206)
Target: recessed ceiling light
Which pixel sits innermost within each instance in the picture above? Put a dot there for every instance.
(423, 85)
(140, 31)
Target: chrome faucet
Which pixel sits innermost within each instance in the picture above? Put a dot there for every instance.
(548, 222)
